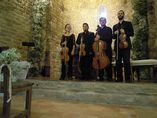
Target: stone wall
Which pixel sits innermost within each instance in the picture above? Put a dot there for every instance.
(57, 27)
(80, 11)
(77, 12)
(15, 23)
(152, 20)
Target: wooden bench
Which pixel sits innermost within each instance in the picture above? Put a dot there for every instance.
(137, 64)
(8, 88)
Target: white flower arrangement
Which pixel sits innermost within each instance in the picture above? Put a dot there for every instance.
(8, 56)
(19, 68)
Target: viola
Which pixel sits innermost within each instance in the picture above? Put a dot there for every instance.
(123, 43)
(64, 52)
(82, 51)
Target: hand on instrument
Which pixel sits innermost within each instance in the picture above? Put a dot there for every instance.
(63, 44)
(97, 37)
(116, 32)
(122, 31)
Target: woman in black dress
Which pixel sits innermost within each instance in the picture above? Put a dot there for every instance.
(68, 41)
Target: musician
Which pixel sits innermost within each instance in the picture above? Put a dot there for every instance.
(105, 34)
(87, 39)
(66, 69)
(123, 52)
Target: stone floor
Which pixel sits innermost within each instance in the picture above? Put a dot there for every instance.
(68, 99)
(43, 108)
(139, 94)
(51, 109)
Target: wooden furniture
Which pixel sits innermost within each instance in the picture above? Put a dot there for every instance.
(137, 64)
(21, 86)
(3, 48)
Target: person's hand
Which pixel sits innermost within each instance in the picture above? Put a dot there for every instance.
(97, 37)
(116, 32)
(77, 45)
(63, 44)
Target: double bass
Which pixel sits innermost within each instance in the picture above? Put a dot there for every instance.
(100, 60)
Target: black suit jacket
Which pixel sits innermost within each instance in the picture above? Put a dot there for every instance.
(106, 36)
(88, 39)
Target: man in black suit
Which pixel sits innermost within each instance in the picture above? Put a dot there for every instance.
(122, 32)
(105, 34)
(85, 39)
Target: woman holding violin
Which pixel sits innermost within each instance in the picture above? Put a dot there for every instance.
(84, 42)
(67, 43)
(104, 34)
(122, 32)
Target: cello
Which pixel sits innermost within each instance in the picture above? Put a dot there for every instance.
(100, 60)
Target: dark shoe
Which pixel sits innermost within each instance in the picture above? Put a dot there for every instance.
(119, 80)
(98, 79)
(109, 80)
(62, 78)
(128, 81)
(69, 78)
(102, 79)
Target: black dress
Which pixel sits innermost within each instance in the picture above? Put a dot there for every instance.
(66, 69)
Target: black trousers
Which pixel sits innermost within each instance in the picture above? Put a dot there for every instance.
(66, 69)
(123, 55)
(108, 69)
(75, 67)
(86, 67)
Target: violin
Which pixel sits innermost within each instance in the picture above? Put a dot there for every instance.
(100, 60)
(82, 48)
(123, 43)
(64, 52)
